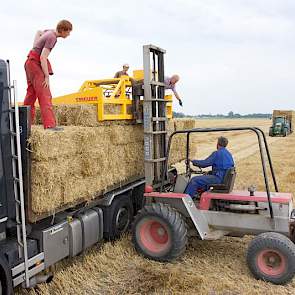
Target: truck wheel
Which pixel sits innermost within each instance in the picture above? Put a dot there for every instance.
(271, 257)
(4, 288)
(118, 217)
(159, 232)
(5, 277)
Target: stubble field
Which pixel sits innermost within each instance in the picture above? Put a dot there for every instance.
(208, 267)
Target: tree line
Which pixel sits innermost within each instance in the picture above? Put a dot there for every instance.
(230, 115)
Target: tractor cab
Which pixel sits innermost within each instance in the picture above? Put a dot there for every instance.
(279, 121)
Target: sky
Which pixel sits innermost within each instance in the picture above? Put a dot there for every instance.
(231, 55)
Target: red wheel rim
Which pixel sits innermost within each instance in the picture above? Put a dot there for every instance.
(154, 236)
(271, 262)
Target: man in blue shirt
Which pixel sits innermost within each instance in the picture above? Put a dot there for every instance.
(220, 160)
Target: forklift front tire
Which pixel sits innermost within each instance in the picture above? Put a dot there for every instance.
(159, 233)
(271, 257)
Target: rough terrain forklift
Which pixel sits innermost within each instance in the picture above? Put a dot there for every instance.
(160, 230)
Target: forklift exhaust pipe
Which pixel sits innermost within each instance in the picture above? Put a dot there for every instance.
(39, 279)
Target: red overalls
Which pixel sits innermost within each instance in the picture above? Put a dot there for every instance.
(35, 79)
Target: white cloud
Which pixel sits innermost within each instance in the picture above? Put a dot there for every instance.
(231, 55)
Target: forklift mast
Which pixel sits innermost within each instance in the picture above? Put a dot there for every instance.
(154, 115)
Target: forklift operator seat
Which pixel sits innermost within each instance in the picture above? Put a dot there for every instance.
(228, 182)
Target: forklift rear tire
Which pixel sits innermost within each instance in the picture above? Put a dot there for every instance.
(271, 257)
(159, 233)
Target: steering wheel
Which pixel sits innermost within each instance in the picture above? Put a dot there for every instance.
(197, 170)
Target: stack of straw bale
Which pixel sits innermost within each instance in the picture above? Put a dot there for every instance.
(81, 115)
(87, 158)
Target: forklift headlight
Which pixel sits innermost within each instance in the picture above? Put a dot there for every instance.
(292, 216)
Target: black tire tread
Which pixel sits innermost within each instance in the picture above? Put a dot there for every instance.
(177, 225)
(120, 201)
(278, 242)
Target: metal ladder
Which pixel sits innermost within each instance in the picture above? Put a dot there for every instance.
(18, 179)
(154, 114)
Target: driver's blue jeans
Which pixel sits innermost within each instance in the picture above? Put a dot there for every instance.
(201, 182)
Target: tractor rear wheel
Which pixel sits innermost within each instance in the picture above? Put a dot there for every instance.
(159, 232)
(271, 257)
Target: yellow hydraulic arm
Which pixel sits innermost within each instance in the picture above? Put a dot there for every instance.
(113, 93)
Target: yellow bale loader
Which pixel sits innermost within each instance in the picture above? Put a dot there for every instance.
(111, 94)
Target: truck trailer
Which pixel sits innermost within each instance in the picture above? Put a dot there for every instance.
(29, 250)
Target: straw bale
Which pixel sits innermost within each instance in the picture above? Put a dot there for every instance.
(178, 144)
(73, 166)
(112, 109)
(170, 126)
(82, 161)
(48, 178)
(77, 115)
(45, 198)
(46, 144)
(37, 120)
(125, 134)
(78, 189)
(181, 124)
(117, 164)
(116, 109)
(82, 115)
(177, 149)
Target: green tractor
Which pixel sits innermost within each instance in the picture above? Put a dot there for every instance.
(281, 126)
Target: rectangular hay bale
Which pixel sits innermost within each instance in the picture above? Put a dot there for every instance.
(74, 165)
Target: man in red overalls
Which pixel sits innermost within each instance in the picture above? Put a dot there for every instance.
(38, 69)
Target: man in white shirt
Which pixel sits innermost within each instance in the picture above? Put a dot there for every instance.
(170, 84)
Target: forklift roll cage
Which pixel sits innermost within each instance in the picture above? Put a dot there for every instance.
(261, 142)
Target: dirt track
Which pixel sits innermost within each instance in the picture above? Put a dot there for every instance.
(208, 267)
